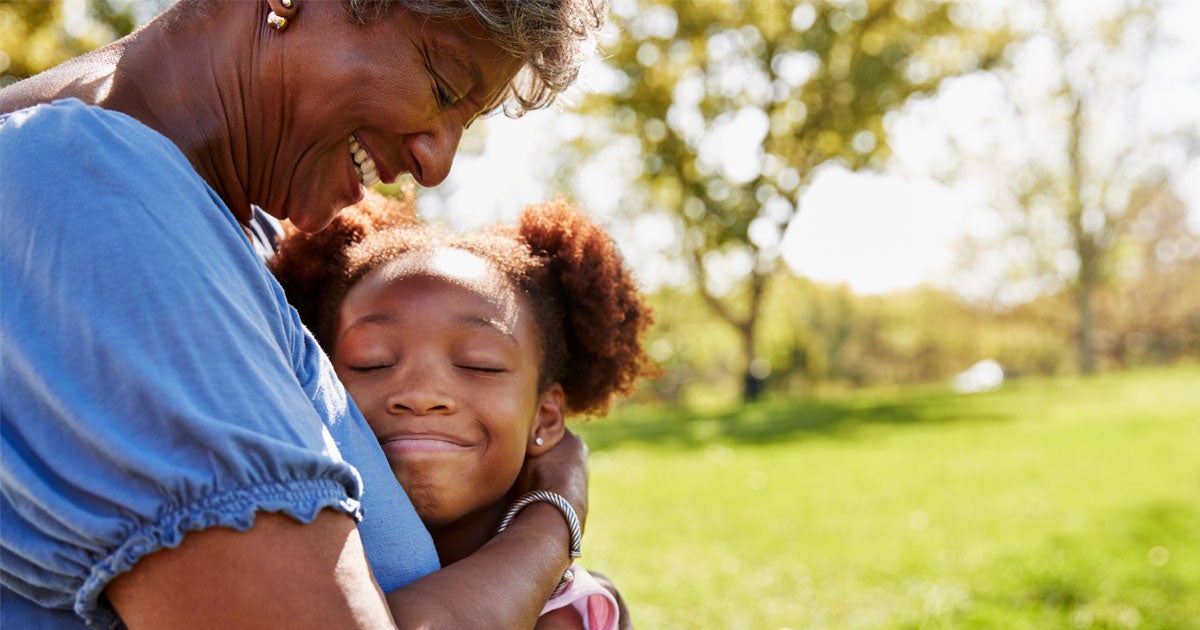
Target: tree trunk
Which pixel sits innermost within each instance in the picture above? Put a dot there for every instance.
(1086, 347)
(752, 385)
(1086, 245)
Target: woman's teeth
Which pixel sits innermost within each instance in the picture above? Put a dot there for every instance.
(363, 164)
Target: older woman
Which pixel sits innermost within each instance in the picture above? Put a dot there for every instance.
(176, 449)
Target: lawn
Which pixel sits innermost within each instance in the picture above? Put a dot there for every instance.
(1067, 503)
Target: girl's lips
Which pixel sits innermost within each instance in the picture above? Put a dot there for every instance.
(422, 444)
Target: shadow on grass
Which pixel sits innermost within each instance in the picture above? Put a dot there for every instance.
(778, 421)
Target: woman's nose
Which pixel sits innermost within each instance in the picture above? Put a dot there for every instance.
(434, 152)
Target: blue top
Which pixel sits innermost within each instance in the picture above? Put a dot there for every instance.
(153, 379)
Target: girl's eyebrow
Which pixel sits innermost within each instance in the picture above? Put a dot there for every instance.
(385, 317)
(487, 323)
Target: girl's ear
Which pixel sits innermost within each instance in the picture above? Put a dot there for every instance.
(548, 426)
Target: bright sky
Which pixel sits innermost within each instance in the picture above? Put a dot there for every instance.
(876, 232)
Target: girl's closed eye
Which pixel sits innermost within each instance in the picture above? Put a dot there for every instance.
(485, 369)
(365, 360)
(488, 363)
(367, 368)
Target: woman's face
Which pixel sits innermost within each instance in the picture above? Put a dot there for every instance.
(400, 88)
(440, 355)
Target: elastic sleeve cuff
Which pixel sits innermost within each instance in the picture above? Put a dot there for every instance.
(300, 500)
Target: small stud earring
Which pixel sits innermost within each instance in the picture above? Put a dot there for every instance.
(539, 441)
(276, 21)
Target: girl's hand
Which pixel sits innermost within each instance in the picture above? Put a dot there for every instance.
(565, 618)
(563, 470)
(623, 621)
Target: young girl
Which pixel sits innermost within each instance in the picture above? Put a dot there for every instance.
(465, 353)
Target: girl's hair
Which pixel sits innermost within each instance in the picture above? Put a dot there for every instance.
(588, 311)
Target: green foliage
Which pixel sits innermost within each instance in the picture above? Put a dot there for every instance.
(1065, 503)
(813, 336)
(36, 36)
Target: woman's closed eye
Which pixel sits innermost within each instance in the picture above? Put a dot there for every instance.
(445, 99)
(445, 94)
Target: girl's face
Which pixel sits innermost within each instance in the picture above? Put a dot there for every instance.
(441, 355)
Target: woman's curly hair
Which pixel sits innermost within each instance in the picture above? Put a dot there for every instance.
(588, 311)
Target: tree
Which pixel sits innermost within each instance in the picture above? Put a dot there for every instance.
(1083, 146)
(735, 104)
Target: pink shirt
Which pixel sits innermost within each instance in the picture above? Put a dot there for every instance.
(593, 602)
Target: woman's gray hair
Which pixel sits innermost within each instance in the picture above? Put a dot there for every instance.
(550, 36)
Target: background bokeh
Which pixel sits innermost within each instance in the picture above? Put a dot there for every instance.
(838, 208)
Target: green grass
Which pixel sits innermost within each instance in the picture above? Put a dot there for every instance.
(1070, 503)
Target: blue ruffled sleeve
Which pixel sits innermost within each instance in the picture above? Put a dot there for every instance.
(150, 378)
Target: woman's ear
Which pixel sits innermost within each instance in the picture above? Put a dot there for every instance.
(548, 424)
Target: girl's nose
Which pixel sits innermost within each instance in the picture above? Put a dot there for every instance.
(419, 390)
(421, 401)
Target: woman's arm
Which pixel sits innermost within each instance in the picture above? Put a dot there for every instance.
(281, 573)
(278, 574)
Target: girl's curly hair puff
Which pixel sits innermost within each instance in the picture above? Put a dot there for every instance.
(590, 316)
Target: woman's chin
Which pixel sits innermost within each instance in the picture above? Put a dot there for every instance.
(314, 219)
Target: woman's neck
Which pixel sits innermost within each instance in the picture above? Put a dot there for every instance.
(177, 76)
(463, 536)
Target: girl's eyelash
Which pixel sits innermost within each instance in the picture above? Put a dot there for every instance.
(487, 370)
(368, 368)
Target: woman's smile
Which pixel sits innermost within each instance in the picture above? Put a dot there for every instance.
(364, 164)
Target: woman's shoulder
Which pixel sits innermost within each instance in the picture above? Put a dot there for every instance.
(99, 168)
(70, 130)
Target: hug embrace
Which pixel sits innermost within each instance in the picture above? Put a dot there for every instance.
(178, 450)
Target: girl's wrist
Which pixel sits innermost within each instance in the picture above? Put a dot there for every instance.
(543, 532)
(575, 540)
